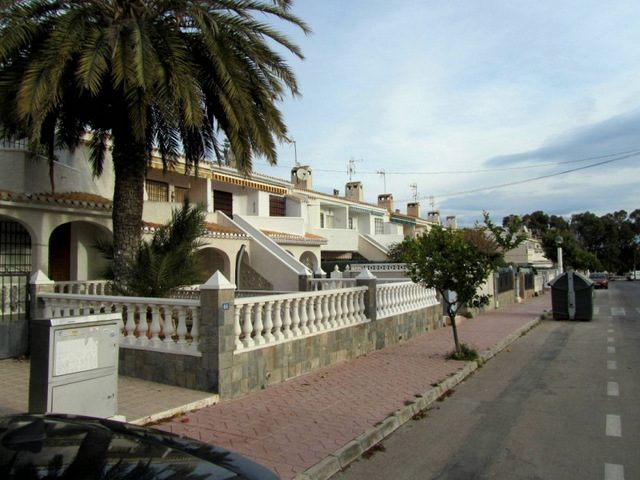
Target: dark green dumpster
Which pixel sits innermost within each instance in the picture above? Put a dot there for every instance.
(572, 297)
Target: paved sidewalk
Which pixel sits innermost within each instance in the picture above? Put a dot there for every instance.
(312, 426)
(139, 401)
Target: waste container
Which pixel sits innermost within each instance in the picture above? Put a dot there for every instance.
(572, 297)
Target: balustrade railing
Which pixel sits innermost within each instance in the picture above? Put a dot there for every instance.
(318, 284)
(83, 287)
(261, 321)
(168, 325)
(400, 297)
(379, 267)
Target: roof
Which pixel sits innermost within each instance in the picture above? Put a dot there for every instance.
(69, 199)
(212, 230)
(284, 238)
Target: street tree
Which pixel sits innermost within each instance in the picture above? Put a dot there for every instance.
(450, 260)
(174, 75)
(573, 255)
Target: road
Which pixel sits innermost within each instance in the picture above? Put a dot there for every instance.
(560, 403)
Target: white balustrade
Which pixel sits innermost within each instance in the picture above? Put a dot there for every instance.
(322, 284)
(400, 297)
(168, 325)
(279, 318)
(83, 287)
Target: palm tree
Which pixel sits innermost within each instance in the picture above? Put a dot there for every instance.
(181, 76)
(167, 261)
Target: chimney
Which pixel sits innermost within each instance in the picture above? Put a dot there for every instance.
(336, 192)
(452, 221)
(353, 191)
(386, 200)
(413, 209)
(301, 177)
(434, 216)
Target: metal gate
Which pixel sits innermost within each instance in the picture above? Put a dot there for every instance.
(15, 266)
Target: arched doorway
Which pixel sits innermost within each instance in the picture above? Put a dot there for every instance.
(309, 260)
(72, 255)
(211, 260)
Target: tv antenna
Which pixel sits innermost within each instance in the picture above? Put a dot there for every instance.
(351, 170)
(414, 187)
(384, 177)
(291, 141)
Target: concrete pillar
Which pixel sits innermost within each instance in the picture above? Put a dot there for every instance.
(303, 283)
(39, 283)
(216, 335)
(367, 279)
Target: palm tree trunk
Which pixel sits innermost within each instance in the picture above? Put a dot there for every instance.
(129, 162)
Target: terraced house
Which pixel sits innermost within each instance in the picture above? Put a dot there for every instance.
(262, 233)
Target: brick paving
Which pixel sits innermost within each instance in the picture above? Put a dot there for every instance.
(294, 427)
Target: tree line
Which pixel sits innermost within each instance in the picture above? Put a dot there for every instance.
(608, 242)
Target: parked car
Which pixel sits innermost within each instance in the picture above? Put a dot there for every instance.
(601, 280)
(68, 446)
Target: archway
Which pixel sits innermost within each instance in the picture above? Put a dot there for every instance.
(212, 260)
(309, 260)
(72, 253)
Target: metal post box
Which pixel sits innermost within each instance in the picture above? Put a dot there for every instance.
(74, 365)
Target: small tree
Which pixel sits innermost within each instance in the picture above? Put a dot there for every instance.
(458, 261)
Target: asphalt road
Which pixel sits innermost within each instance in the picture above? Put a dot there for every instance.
(560, 403)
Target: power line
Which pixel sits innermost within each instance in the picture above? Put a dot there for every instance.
(482, 170)
(510, 184)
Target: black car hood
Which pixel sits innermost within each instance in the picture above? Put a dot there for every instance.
(75, 447)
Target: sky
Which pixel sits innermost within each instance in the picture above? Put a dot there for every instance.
(508, 106)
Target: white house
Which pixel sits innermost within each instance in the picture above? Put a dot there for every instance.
(262, 232)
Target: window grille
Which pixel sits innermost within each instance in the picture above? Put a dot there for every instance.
(15, 248)
(157, 191)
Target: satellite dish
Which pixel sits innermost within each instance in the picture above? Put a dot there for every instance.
(301, 173)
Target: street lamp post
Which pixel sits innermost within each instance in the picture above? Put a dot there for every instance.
(559, 241)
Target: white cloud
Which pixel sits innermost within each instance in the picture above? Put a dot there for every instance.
(423, 86)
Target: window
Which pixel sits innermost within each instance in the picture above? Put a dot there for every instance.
(326, 219)
(379, 226)
(179, 194)
(277, 206)
(223, 202)
(350, 223)
(157, 191)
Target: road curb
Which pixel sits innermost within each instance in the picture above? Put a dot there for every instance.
(353, 450)
(183, 409)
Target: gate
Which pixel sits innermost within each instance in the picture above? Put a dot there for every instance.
(15, 267)
(14, 297)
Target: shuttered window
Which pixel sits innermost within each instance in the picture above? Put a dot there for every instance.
(277, 206)
(223, 202)
(179, 194)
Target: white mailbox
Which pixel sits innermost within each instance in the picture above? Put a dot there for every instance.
(74, 365)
